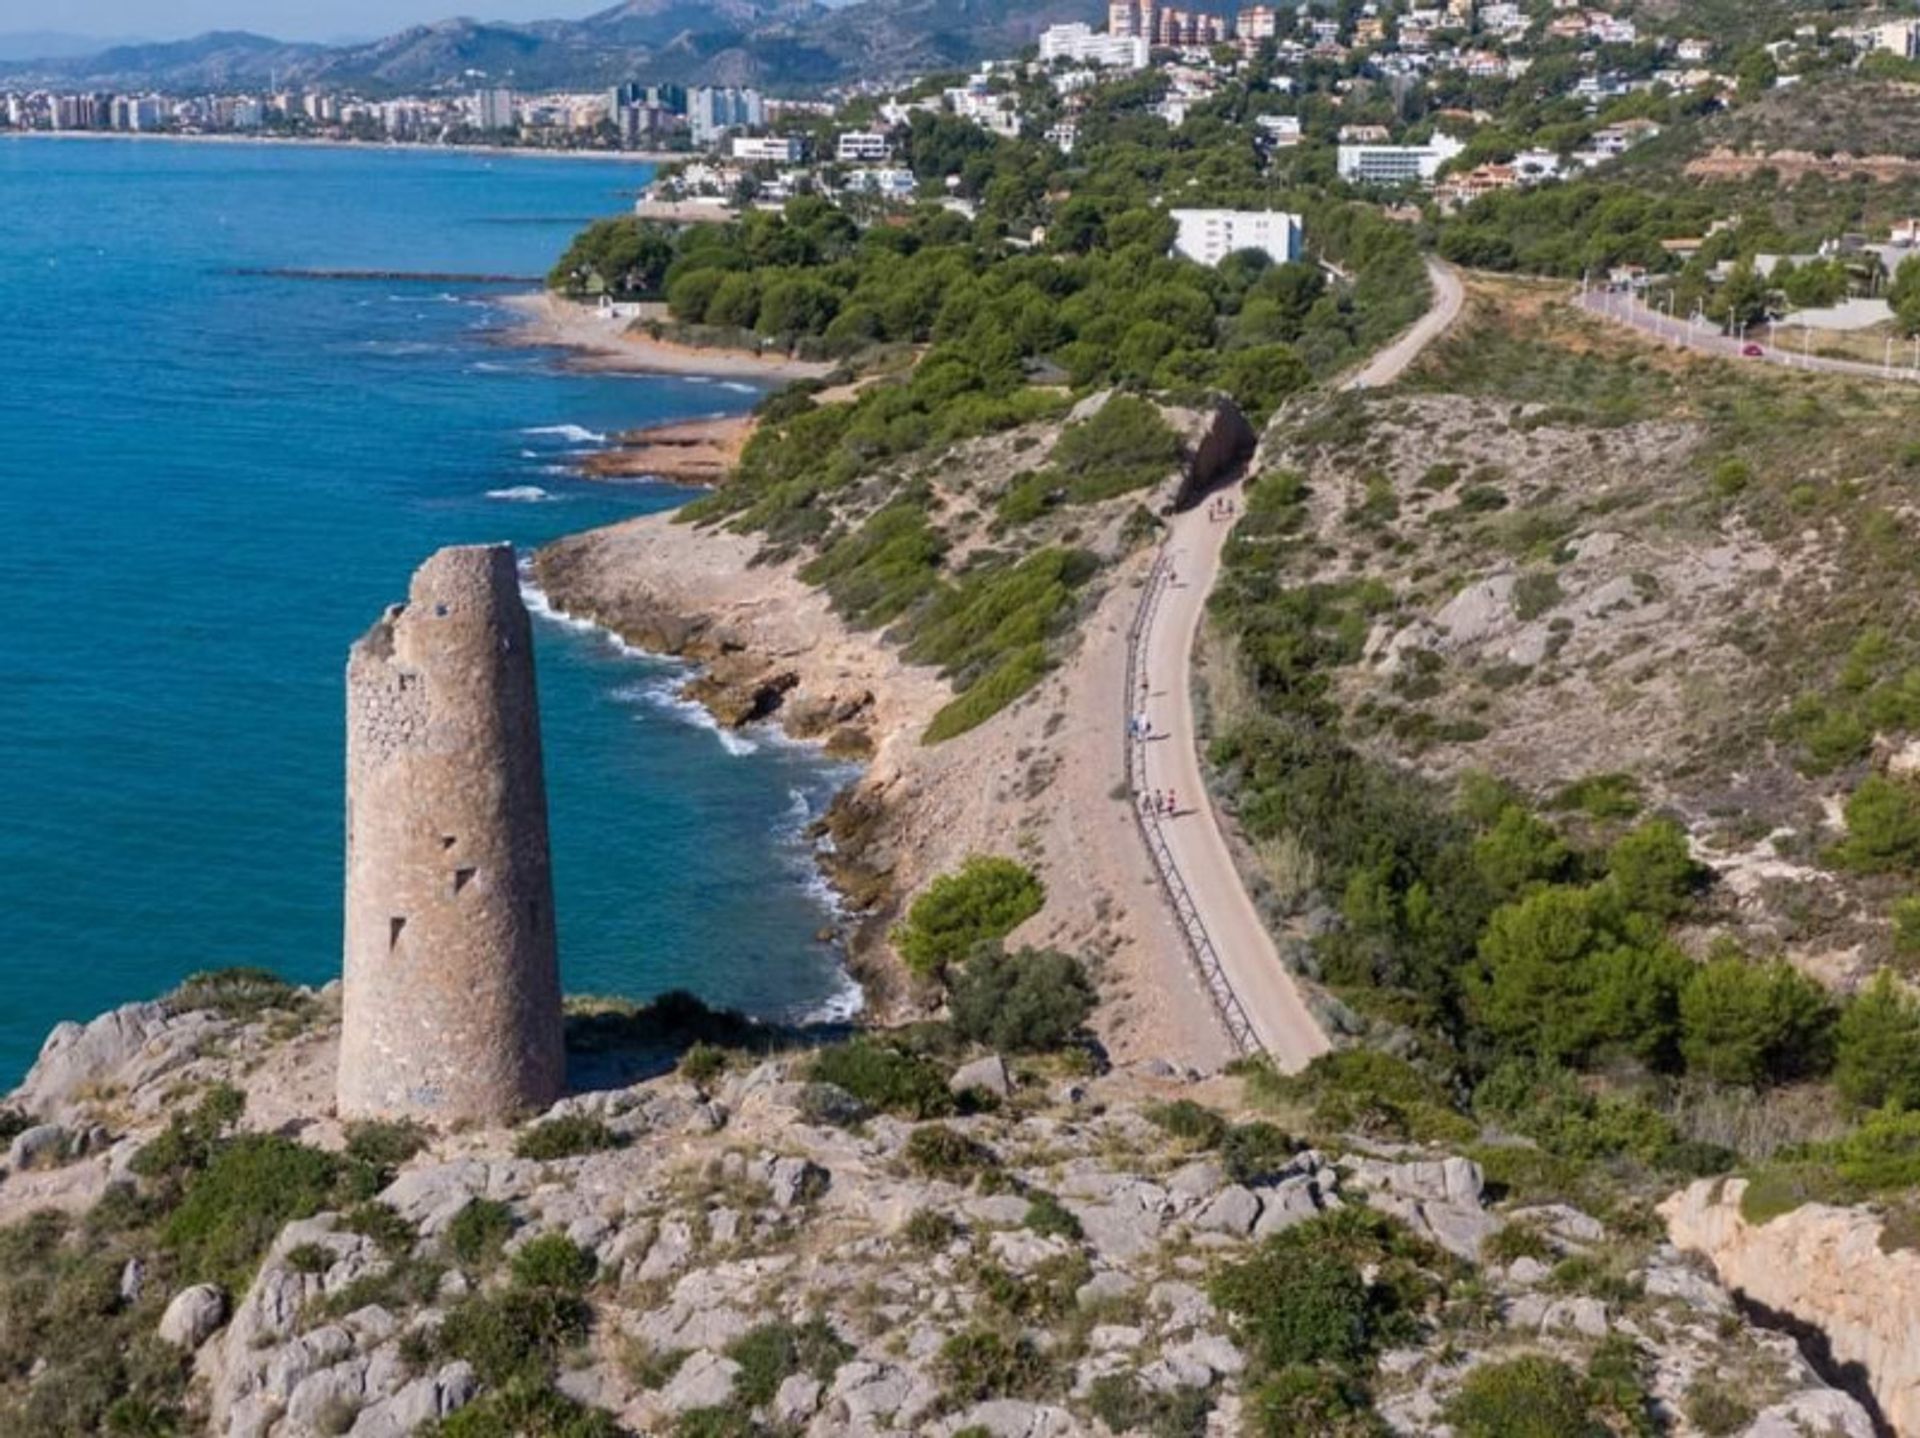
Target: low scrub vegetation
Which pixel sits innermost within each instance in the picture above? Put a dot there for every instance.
(981, 903)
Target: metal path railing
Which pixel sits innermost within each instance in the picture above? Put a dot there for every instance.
(1200, 949)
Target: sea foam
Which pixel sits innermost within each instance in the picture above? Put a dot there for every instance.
(571, 433)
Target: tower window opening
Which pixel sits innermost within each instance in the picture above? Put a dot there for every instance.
(395, 927)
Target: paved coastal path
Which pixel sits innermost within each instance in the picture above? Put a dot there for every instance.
(1253, 991)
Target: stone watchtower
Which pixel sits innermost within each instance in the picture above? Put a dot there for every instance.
(452, 992)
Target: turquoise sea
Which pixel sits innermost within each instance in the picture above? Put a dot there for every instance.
(211, 482)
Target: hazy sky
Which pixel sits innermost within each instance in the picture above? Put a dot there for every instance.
(288, 19)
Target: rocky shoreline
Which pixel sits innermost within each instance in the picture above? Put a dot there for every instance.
(699, 452)
(769, 649)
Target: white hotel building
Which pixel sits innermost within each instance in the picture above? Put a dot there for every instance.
(1209, 236)
(1080, 44)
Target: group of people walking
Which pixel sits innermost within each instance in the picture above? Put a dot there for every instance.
(1221, 508)
(1159, 802)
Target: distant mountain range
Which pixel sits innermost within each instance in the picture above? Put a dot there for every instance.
(52, 45)
(764, 42)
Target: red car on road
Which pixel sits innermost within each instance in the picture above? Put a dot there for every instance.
(1751, 352)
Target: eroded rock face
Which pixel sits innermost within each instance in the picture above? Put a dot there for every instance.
(1821, 1266)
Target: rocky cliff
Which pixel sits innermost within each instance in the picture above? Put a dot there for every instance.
(1826, 1269)
(738, 1246)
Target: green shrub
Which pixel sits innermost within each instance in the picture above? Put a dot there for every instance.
(1601, 796)
(1652, 869)
(1731, 476)
(649, 1367)
(1534, 593)
(1254, 1151)
(1906, 926)
(1186, 1120)
(937, 1151)
(1050, 1218)
(309, 1258)
(554, 1261)
(1125, 445)
(1516, 1240)
(1518, 851)
(1528, 1397)
(1748, 1023)
(1295, 1306)
(252, 1187)
(515, 1333)
(1362, 1090)
(383, 1144)
(1877, 1047)
(1883, 828)
(479, 1232)
(1715, 1410)
(929, 1229)
(1020, 670)
(394, 1234)
(979, 1364)
(773, 1352)
(187, 1143)
(525, 1409)
(567, 1137)
(701, 1064)
(236, 993)
(1031, 1001)
(985, 900)
(1304, 1399)
(729, 1422)
(885, 1078)
(1125, 1405)
(1880, 1156)
(1590, 1274)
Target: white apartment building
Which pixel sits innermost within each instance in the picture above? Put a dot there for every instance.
(1395, 164)
(862, 147)
(889, 184)
(1080, 44)
(1209, 236)
(769, 149)
(492, 109)
(712, 112)
(1281, 130)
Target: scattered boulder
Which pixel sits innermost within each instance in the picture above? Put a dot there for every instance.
(192, 1316)
(706, 1380)
(45, 1145)
(987, 1075)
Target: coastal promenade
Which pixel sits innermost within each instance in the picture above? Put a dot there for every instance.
(1253, 992)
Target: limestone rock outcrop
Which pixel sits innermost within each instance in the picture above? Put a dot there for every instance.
(1822, 1267)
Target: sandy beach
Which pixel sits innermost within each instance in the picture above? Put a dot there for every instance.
(603, 341)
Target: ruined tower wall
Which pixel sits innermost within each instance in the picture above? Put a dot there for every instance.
(452, 990)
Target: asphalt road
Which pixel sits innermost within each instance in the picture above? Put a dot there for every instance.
(1625, 309)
